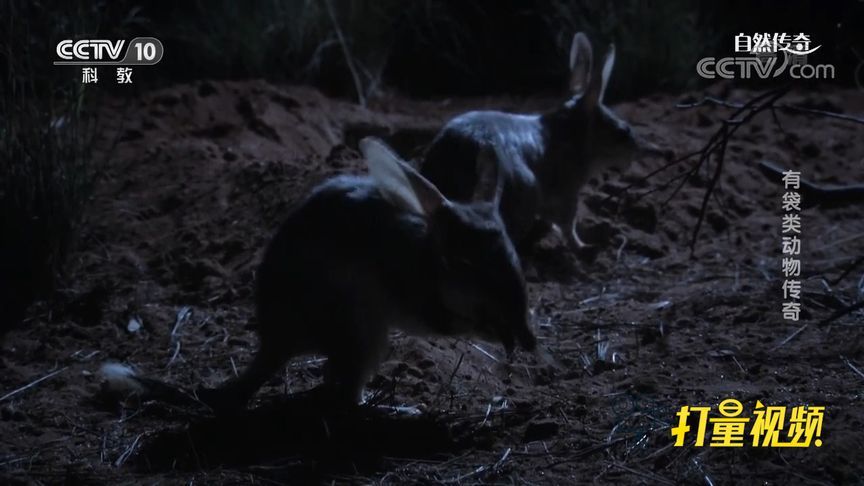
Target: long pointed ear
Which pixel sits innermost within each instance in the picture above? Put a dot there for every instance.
(599, 80)
(581, 62)
(490, 180)
(398, 182)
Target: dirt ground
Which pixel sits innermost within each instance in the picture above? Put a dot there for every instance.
(202, 174)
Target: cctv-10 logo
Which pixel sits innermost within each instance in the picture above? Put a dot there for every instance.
(141, 51)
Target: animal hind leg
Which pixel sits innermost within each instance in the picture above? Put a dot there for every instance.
(566, 227)
(234, 394)
(351, 364)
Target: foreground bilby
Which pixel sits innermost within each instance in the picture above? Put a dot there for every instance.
(363, 255)
(545, 158)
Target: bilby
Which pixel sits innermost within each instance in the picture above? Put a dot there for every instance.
(362, 255)
(545, 158)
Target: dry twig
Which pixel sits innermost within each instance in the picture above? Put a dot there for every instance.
(31, 384)
(710, 100)
(715, 148)
(349, 59)
(853, 367)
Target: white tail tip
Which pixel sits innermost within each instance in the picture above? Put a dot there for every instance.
(119, 378)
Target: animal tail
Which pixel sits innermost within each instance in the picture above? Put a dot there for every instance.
(119, 380)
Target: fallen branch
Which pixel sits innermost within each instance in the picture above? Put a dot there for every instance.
(715, 147)
(814, 194)
(31, 384)
(481, 469)
(852, 367)
(789, 338)
(710, 100)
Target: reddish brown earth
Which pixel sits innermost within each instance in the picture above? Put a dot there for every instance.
(202, 174)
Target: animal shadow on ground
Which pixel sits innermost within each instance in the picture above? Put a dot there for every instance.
(296, 434)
